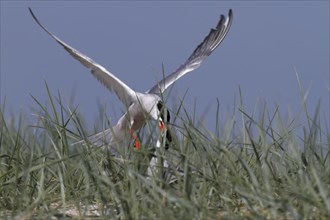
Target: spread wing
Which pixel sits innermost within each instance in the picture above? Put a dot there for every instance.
(111, 82)
(203, 50)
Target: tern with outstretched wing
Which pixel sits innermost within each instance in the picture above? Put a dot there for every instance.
(148, 104)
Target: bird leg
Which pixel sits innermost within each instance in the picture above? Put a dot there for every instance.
(136, 141)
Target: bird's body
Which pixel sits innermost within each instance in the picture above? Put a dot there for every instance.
(142, 107)
(148, 105)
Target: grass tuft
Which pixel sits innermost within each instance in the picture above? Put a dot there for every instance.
(251, 167)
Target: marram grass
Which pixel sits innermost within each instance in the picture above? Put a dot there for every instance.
(252, 167)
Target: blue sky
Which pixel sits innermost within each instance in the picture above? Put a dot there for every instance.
(266, 42)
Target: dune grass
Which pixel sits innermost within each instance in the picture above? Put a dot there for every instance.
(251, 167)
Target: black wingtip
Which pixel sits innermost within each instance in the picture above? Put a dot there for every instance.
(38, 22)
(230, 13)
(32, 14)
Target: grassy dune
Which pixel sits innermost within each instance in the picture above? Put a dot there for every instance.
(253, 167)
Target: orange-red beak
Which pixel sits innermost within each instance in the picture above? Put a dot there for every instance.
(161, 126)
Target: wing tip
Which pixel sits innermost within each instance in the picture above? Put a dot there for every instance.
(226, 21)
(37, 20)
(230, 16)
(33, 15)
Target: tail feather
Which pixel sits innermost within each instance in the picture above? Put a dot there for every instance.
(112, 139)
(102, 138)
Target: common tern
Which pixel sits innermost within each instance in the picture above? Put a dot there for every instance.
(143, 106)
